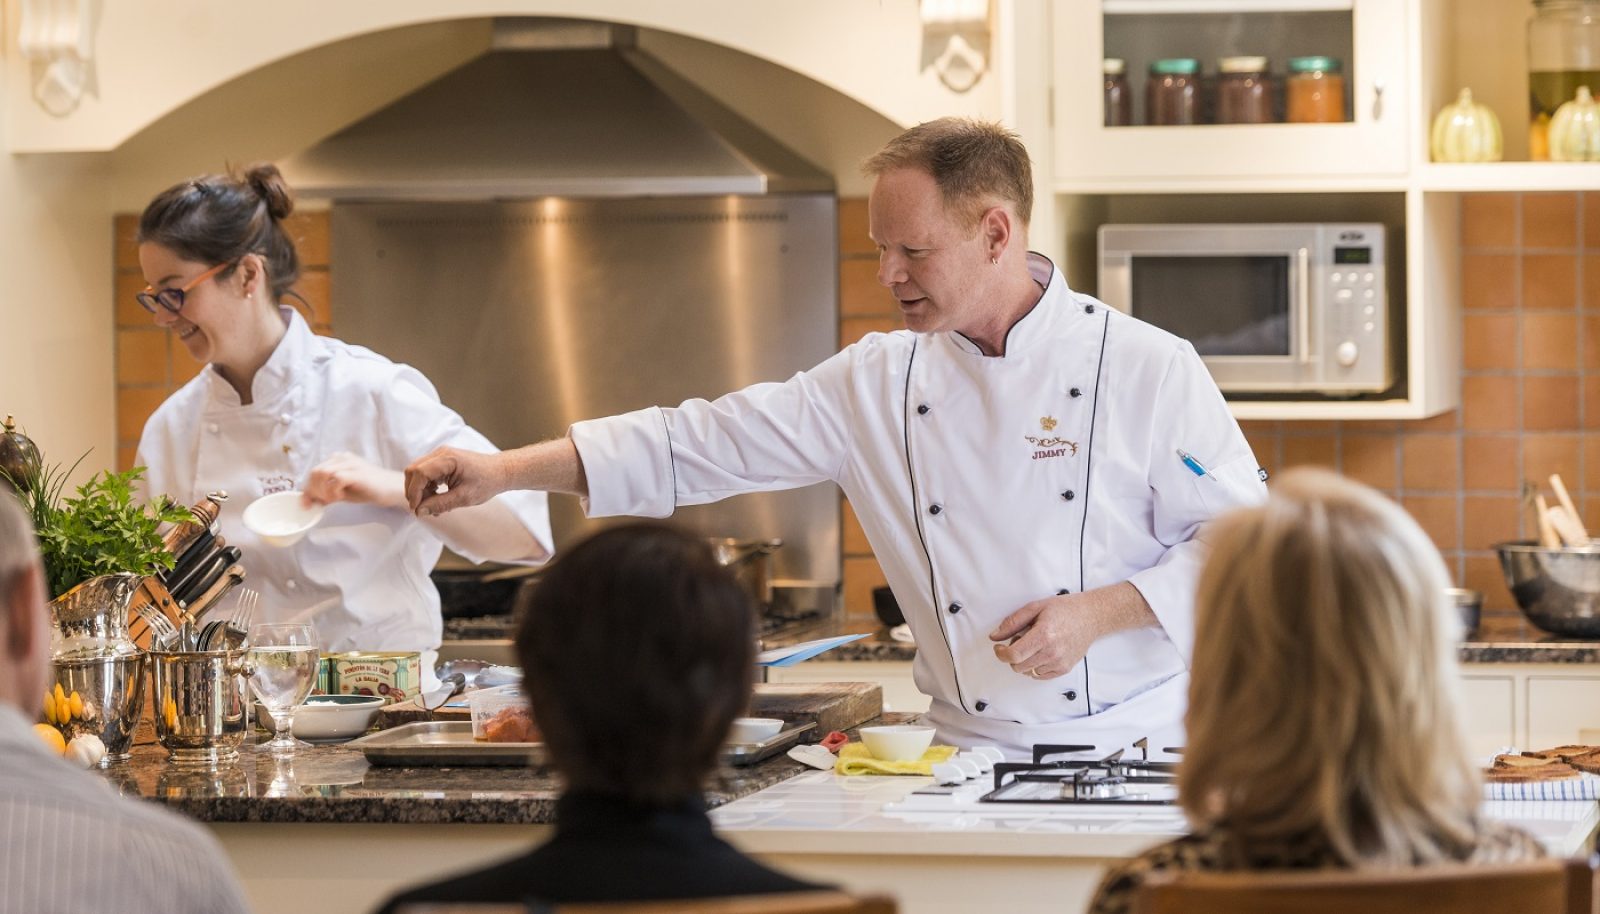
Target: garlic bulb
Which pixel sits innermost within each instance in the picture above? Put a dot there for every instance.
(1465, 131)
(86, 749)
(1575, 130)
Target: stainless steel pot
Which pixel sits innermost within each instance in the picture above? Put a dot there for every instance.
(200, 705)
(110, 693)
(1469, 607)
(1557, 589)
(751, 563)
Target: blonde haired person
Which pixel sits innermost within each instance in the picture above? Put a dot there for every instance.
(1323, 725)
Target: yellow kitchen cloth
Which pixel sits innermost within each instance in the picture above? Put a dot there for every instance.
(855, 759)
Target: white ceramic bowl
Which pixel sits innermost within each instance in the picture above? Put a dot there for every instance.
(753, 729)
(280, 519)
(897, 742)
(330, 717)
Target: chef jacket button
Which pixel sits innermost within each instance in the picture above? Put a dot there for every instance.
(1088, 309)
(1062, 592)
(289, 584)
(1069, 495)
(213, 428)
(935, 509)
(1070, 695)
(922, 409)
(980, 704)
(1075, 392)
(955, 608)
(283, 419)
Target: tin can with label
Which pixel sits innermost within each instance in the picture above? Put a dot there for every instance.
(395, 675)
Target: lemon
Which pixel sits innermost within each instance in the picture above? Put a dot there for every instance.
(49, 707)
(75, 704)
(63, 710)
(51, 737)
(169, 712)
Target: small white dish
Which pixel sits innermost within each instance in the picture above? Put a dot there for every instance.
(280, 519)
(330, 717)
(753, 729)
(897, 742)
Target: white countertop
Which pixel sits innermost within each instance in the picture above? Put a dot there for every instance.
(821, 812)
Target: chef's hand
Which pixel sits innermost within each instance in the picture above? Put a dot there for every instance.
(450, 478)
(1047, 638)
(346, 477)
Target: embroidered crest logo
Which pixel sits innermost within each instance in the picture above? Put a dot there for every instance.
(1047, 424)
(1048, 446)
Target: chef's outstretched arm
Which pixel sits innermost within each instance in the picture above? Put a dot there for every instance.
(1048, 637)
(449, 478)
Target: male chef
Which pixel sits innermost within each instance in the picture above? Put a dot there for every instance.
(1032, 468)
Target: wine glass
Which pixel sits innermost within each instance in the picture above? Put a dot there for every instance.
(284, 657)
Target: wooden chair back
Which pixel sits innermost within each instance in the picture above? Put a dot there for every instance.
(777, 903)
(1537, 887)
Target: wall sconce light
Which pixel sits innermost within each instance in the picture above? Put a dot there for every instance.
(955, 40)
(56, 37)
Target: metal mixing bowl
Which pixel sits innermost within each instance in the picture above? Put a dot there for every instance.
(1557, 589)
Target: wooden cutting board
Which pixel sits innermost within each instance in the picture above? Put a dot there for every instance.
(830, 705)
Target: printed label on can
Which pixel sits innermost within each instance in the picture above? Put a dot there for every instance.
(395, 675)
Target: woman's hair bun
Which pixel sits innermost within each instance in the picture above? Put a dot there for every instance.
(269, 185)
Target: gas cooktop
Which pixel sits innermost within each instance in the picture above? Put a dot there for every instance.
(1114, 778)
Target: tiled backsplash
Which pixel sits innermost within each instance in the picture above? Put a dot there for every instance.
(1530, 389)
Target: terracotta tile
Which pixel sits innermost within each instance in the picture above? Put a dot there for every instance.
(1371, 425)
(1550, 403)
(1550, 220)
(308, 228)
(859, 290)
(1489, 463)
(1489, 220)
(1372, 459)
(1310, 450)
(125, 455)
(854, 328)
(142, 356)
(1253, 427)
(854, 539)
(1546, 454)
(1430, 462)
(1484, 575)
(1591, 464)
(1306, 427)
(1488, 341)
(1549, 341)
(860, 576)
(1590, 511)
(1591, 220)
(313, 286)
(1591, 282)
(853, 237)
(1266, 450)
(1438, 515)
(1490, 519)
(134, 406)
(182, 365)
(1488, 282)
(1591, 401)
(1489, 403)
(1549, 281)
(125, 251)
(127, 309)
(1443, 422)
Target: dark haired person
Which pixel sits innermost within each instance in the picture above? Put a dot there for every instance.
(278, 409)
(1032, 468)
(637, 653)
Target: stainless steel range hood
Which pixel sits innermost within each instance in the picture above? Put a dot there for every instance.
(555, 108)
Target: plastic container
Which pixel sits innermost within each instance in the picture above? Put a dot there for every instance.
(1244, 91)
(501, 715)
(1118, 98)
(1315, 91)
(1563, 54)
(1172, 94)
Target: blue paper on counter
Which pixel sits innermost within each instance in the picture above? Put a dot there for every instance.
(794, 653)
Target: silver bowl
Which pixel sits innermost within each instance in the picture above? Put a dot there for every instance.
(1557, 589)
(110, 702)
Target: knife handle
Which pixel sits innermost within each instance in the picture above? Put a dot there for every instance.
(232, 576)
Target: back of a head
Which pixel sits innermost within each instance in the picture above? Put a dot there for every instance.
(1322, 692)
(976, 164)
(19, 552)
(637, 651)
(220, 218)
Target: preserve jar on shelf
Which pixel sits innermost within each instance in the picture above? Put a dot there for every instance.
(1563, 54)
(1244, 91)
(1118, 100)
(1172, 94)
(1315, 91)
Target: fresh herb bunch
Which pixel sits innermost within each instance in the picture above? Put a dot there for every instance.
(101, 531)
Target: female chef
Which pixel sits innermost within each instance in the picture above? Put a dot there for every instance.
(280, 409)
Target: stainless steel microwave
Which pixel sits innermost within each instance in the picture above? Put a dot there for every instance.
(1271, 308)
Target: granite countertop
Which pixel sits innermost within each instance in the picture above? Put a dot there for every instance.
(335, 784)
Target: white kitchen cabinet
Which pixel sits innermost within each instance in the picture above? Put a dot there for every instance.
(1488, 705)
(1561, 708)
(1370, 151)
(900, 692)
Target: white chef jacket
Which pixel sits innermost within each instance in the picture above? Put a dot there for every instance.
(361, 575)
(984, 483)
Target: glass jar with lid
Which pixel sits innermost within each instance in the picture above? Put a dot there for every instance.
(1315, 91)
(1244, 91)
(1172, 94)
(1118, 100)
(1563, 54)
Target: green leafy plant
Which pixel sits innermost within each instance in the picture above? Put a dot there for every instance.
(101, 530)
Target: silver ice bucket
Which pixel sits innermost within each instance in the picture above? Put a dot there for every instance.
(103, 696)
(200, 704)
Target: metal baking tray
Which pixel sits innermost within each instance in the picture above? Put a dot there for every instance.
(442, 742)
(741, 754)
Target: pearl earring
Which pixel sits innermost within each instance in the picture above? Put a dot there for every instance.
(995, 261)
